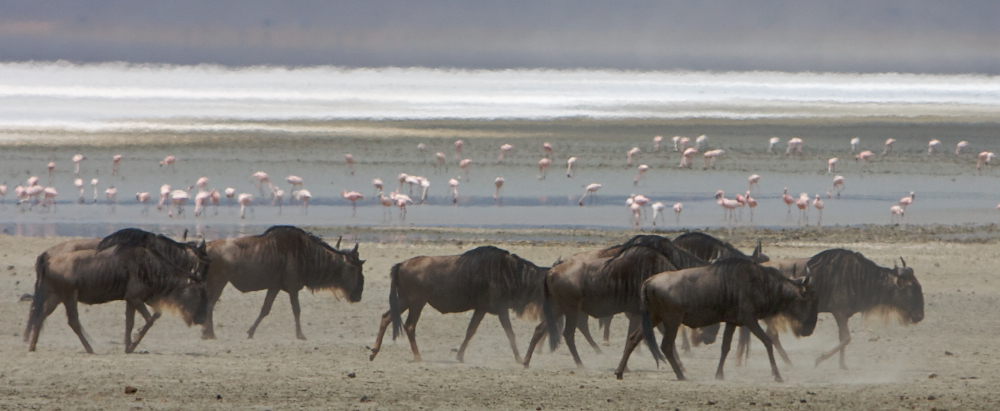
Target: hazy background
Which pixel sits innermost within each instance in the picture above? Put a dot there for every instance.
(921, 36)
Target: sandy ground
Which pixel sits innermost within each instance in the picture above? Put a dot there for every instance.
(948, 361)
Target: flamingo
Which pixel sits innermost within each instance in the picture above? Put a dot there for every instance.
(143, 198)
(169, 161)
(303, 196)
(214, 197)
(864, 155)
(932, 146)
(754, 180)
(412, 181)
(387, 202)
(684, 141)
(727, 205)
(897, 214)
(906, 201)
(464, 165)
(794, 146)
(34, 194)
(453, 183)
(818, 204)
(569, 167)
(3, 192)
(632, 153)
(458, 149)
(245, 201)
(543, 167)
(49, 195)
(496, 194)
(741, 201)
(295, 181)
(200, 201)
(21, 193)
(656, 143)
(114, 164)
(278, 196)
(701, 141)
(641, 200)
(401, 200)
(262, 178)
(402, 180)
(178, 198)
(686, 157)
(958, 147)
(636, 210)
(349, 159)
(888, 146)
(230, 194)
(710, 157)
(77, 159)
(658, 212)
(93, 183)
(425, 184)
(353, 197)
(164, 194)
(676, 140)
(984, 157)
(838, 181)
(789, 200)
(591, 191)
(855, 142)
(377, 182)
(441, 161)
(112, 194)
(52, 169)
(547, 149)
(504, 149)
(831, 164)
(202, 183)
(642, 172)
(79, 187)
(803, 204)
(752, 203)
(678, 207)
(771, 143)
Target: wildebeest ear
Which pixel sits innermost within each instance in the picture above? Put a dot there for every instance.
(338, 242)
(354, 252)
(904, 261)
(185, 237)
(756, 250)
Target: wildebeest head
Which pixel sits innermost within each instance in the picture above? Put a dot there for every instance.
(804, 310)
(353, 277)
(908, 296)
(758, 256)
(192, 302)
(199, 253)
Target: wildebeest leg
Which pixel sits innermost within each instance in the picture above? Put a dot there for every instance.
(569, 334)
(74, 322)
(264, 311)
(150, 319)
(685, 345)
(36, 328)
(605, 322)
(214, 291)
(293, 297)
(743, 346)
(634, 338)
(845, 338)
(773, 333)
(477, 317)
(672, 347)
(584, 326)
(762, 336)
(386, 319)
(540, 331)
(504, 315)
(410, 325)
(727, 341)
(668, 346)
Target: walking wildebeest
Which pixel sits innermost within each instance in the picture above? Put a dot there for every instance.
(789, 268)
(601, 287)
(282, 258)
(710, 249)
(485, 279)
(736, 291)
(63, 247)
(849, 283)
(132, 265)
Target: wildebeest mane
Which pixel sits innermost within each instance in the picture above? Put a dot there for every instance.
(622, 276)
(279, 246)
(847, 277)
(741, 277)
(510, 279)
(706, 247)
(169, 252)
(677, 256)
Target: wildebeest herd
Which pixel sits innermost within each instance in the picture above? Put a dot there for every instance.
(694, 282)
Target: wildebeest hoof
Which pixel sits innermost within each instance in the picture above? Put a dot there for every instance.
(777, 378)
(618, 375)
(301, 337)
(208, 336)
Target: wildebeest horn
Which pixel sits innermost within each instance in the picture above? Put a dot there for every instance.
(904, 261)
(185, 237)
(756, 250)
(338, 242)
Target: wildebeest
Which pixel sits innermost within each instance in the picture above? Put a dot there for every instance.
(601, 287)
(132, 265)
(485, 279)
(283, 258)
(711, 249)
(63, 247)
(849, 283)
(736, 291)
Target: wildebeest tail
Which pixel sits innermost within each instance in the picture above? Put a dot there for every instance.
(551, 322)
(394, 313)
(39, 297)
(647, 332)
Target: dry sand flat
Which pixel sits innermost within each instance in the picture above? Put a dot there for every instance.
(890, 364)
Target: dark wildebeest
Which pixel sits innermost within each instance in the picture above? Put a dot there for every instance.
(736, 291)
(485, 279)
(711, 249)
(601, 287)
(132, 265)
(283, 258)
(791, 268)
(849, 283)
(63, 247)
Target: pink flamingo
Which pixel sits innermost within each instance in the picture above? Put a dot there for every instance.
(93, 183)
(32, 181)
(164, 195)
(424, 184)
(591, 191)
(794, 146)
(543, 166)
(178, 198)
(3, 192)
(676, 140)
(303, 196)
(349, 159)
(818, 204)
(202, 184)
(496, 194)
(200, 202)
(888, 146)
(754, 181)
(803, 204)
(296, 182)
(569, 167)
(245, 200)
(353, 197)
(684, 141)
(278, 197)
(402, 177)
(464, 165)
(213, 197)
(401, 200)
(752, 203)
(262, 178)
(771, 143)
(230, 194)
(441, 161)
(547, 149)
(831, 165)
(789, 200)
(49, 195)
(700, 141)
(377, 182)
(727, 205)
(897, 214)
(658, 212)
(77, 159)
(112, 194)
(458, 149)
(636, 210)
(906, 201)
(640, 200)
(169, 161)
(932, 146)
(79, 187)
(838, 181)
(387, 203)
(864, 155)
(642, 172)
(114, 164)
(855, 142)
(143, 198)
(656, 143)
(504, 149)
(632, 153)
(741, 200)
(678, 207)
(710, 157)
(453, 183)
(958, 147)
(686, 157)
(984, 158)
(52, 169)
